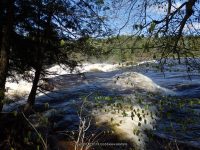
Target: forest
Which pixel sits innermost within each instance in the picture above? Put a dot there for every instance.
(99, 74)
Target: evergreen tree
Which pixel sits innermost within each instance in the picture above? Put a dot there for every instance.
(41, 25)
(6, 28)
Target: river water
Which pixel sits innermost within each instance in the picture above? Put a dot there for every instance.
(178, 82)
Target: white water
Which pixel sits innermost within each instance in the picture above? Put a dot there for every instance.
(109, 79)
(139, 81)
(21, 88)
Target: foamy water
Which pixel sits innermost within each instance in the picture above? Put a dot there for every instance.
(21, 88)
(115, 80)
(137, 80)
(130, 127)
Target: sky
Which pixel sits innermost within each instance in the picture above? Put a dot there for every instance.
(122, 18)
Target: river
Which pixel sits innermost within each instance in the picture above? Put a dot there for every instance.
(178, 86)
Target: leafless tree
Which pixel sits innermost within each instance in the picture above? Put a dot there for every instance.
(171, 27)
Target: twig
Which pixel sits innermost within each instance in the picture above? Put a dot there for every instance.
(43, 142)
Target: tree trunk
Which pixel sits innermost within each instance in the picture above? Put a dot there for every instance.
(6, 30)
(32, 95)
(38, 68)
(3, 72)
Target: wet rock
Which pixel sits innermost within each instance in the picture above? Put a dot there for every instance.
(47, 84)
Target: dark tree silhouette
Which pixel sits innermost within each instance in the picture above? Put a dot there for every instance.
(6, 27)
(39, 28)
